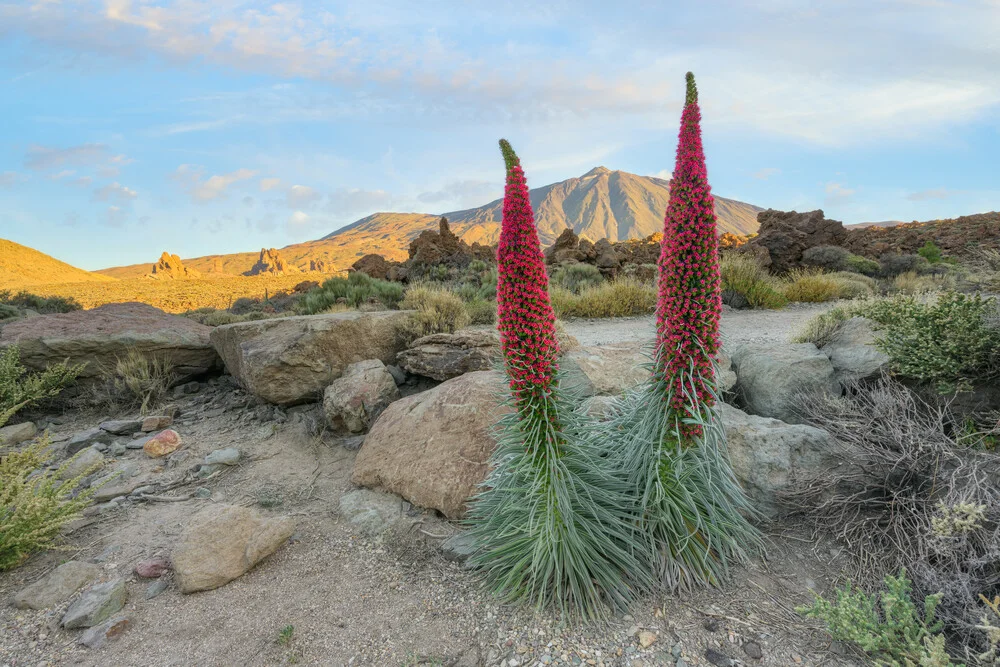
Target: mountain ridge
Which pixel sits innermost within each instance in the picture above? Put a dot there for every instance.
(602, 203)
(21, 266)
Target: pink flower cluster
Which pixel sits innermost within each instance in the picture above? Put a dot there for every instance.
(689, 306)
(525, 318)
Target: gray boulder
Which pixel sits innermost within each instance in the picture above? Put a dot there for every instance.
(57, 585)
(96, 605)
(84, 439)
(444, 356)
(605, 369)
(853, 353)
(772, 380)
(769, 456)
(90, 459)
(371, 511)
(354, 401)
(291, 360)
(15, 434)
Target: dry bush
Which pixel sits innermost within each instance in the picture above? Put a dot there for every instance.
(619, 298)
(135, 380)
(810, 286)
(747, 284)
(908, 495)
(912, 282)
(439, 310)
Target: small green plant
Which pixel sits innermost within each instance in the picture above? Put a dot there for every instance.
(931, 252)
(886, 626)
(34, 502)
(622, 297)
(20, 389)
(946, 341)
(437, 310)
(821, 329)
(744, 277)
(355, 290)
(577, 277)
(285, 635)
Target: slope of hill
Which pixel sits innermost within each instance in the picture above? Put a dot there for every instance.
(21, 267)
(615, 205)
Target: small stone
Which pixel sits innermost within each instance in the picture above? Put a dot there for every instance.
(95, 605)
(187, 388)
(155, 423)
(86, 461)
(156, 588)
(458, 547)
(753, 650)
(711, 625)
(118, 449)
(137, 442)
(718, 658)
(162, 443)
(398, 374)
(646, 639)
(121, 426)
(152, 568)
(17, 433)
(98, 636)
(56, 586)
(85, 439)
(229, 456)
(372, 512)
(107, 553)
(202, 493)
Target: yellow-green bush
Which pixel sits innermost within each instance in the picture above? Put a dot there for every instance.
(811, 286)
(912, 282)
(746, 281)
(438, 310)
(619, 298)
(20, 389)
(34, 502)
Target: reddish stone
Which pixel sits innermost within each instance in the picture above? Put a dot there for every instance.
(162, 443)
(156, 422)
(152, 568)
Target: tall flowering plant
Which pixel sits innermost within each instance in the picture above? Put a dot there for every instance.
(666, 434)
(554, 523)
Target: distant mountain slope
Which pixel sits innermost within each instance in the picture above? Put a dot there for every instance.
(22, 267)
(615, 205)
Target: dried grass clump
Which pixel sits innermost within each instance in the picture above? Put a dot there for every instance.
(747, 284)
(438, 310)
(135, 380)
(908, 495)
(622, 297)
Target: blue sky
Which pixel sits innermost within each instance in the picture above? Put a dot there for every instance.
(129, 127)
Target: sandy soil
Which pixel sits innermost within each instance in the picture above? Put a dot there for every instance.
(392, 601)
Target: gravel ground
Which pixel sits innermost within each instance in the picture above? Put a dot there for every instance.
(738, 326)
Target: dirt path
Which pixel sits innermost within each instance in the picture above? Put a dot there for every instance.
(738, 326)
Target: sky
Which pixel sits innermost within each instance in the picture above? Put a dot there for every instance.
(130, 127)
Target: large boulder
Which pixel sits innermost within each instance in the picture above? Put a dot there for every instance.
(222, 542)
(605, 369)
(290, 360)
(100, 336)
(56, 587)
(773, 380)
(444, 356)
(375, 266)
(787, 234)
(433, 448)
(770, 456)
(15, 434)
(353, 401)
(853, 353)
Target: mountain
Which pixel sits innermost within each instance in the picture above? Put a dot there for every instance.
(884, 223)
(615, 205)
(21, 267)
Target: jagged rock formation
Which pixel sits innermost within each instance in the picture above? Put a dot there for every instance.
(320, 265)
(170, 267)
(787, 234)
(430, 249)
(608, 257)
(956, 237)
(271, 262)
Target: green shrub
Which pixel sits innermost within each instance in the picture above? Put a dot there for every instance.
(577, 277)
(946, 341)
(135, 380)
(216, 318)
(912, 282)
(891, 264)
(438, 310)
(353, 291)
(862, 265)
(746, 283)
(854, 285)
(887, 626)
(20, 389)
(834, 258)
(8, 312)
(820, 329)
(40, 304)
(810, 286)
(622, 297)
(35, 503)
(931, 252)
(481, 311)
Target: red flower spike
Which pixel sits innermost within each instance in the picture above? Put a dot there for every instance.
(524, 315)
(689, 305)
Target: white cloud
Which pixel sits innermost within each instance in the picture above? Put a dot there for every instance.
(348, 202)
(191, 177)
(838, 193)
(9, 178)
(115, 216)
(463, 194)
(43, 158)
(665, 174)
(269, 184)
(766, 173)
(115, 192)
(298, 220)
(301, 196)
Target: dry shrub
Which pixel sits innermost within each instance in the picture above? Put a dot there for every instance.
(619, 298)
(747, 284)
(912, 282)
(135, 380)
(438, 310)
(811, 286)
(908, 495)
(35, 503)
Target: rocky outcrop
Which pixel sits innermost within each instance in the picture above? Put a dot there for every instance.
(100, 336)
(223, 542)
(444, 356)
(354, 401)
(291, 360)
(170, 267)
(433, 448)
(375, 266)
(773, 380)
(320, 265)
(786, 235)
(271, 263)
(769, 456)
(853, 353)
(956, 237)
